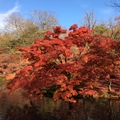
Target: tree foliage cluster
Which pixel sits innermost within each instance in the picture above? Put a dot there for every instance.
(53, 65)
(19, 31)
(111, 28)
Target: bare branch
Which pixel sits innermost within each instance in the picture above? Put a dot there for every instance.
(115, 4)
(89, 20)
(45, 20)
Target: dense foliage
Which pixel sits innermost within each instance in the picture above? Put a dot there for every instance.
(21, 31)
(68, 67)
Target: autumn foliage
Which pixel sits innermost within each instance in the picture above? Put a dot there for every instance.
(70, 67)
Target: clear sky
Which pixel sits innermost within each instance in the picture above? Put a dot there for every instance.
(68, 12)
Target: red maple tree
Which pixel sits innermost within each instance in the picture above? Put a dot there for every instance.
(68, 67)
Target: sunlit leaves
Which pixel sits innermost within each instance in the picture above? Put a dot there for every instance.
(69, 67)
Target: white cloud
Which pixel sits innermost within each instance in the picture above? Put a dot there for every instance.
(3, 16)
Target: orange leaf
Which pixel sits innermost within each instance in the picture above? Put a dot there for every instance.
(68, 52)
(10, 76)
(108, 76)
(85, 59)
(117, 62)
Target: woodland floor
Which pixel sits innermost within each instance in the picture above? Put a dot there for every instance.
(10, 63)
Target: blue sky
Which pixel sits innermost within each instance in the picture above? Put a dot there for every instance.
(68, 12)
